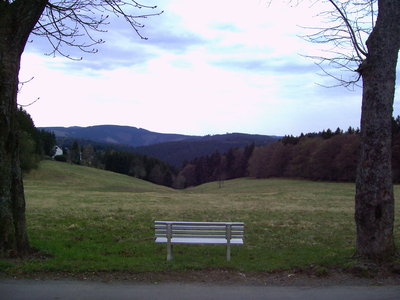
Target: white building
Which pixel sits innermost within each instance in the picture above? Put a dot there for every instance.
(57, 151)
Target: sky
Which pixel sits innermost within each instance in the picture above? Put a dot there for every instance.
(207, 67)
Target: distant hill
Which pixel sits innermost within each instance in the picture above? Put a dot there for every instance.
(171, 148)
(113, 134)
(175, 153)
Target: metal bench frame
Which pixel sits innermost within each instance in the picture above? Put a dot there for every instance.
(177, 232)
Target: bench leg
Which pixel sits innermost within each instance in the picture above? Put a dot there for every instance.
(228, 252)
(169, 251)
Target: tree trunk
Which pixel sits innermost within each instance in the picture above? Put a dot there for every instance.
(17, 20)
(374, 201)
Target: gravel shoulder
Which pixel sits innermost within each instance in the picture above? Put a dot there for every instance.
(357, 276)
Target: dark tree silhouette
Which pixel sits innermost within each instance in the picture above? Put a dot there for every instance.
(65, 24)
(365, 36)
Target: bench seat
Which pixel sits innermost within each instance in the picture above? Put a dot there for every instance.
(179, 232)
(199, 241)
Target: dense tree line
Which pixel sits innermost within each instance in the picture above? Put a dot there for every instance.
(180, 152)
(327, 155)
(215, 167)
(34, 143)
(37, 144)
(315, 158)
(123, 162)
(139, 166)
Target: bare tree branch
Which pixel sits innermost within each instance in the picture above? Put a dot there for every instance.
(74, 23)
(348, 25)
(29, 104)
(355, 38)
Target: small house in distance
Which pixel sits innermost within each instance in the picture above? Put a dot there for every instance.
(57, 151)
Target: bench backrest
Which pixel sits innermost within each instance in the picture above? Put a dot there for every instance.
(177, 229)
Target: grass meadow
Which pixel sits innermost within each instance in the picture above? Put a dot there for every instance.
(93, 220)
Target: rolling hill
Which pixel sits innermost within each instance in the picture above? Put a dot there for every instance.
(52, 176)
(175, 153)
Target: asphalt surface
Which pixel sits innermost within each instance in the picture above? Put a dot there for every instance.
(62, 289)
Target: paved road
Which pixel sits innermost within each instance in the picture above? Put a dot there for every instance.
(57, 289)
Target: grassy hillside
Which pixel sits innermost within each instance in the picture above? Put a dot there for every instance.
(63, 176)
(92, 220)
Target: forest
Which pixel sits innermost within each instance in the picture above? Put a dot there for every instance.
(35, 144)
(323, 156)
(39, 144)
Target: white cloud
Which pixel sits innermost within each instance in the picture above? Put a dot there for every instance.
(208, 67)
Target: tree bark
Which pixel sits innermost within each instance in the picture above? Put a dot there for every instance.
(17, 20)
(374, 200)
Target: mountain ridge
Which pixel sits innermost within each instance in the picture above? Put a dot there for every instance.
(117, 134)
(173, 149)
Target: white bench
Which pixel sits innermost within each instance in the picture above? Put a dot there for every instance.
(176, 232)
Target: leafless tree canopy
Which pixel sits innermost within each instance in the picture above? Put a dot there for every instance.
(76, 22)
(348, 26)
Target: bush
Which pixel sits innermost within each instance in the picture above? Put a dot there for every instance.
(61, 158)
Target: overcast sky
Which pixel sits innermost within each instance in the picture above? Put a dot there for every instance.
(208, 67)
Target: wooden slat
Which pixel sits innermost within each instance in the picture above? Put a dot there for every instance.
(198, 223)
(221, 236)
(198, 227)
(211, 232)
(199, 241)
(235, 227)
(199, 234)
(211, 226)
(194, 232)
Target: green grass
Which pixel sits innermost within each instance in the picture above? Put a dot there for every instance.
(93, 220)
